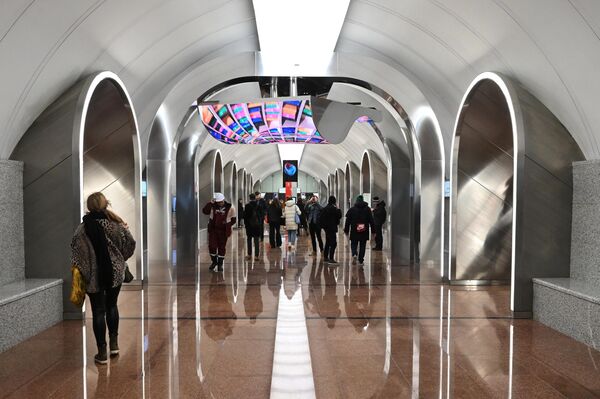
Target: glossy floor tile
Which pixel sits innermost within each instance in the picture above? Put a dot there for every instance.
(382, 331)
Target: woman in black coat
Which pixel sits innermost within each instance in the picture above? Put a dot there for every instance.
(359, 221)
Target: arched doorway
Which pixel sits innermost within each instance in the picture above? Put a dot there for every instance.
(511, 190)
(365, 174)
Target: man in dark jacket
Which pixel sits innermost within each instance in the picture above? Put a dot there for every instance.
(221, 218)
(313, 210)
(379, 218)
(253, 221)
(262, 212)
(274, 213)
(358, 221)
(329, 220)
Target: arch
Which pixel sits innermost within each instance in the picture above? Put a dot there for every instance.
(207, 172)
(511, 189)
(230, 176)
(157, 216)
(365, 174)
(218, 177)
(340, 189)
(241, 188)
(86, 141)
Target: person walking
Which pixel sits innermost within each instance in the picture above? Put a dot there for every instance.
(100, 246)
(262, 207)
(292, 217)
(222, 217)
(313, 210)
(302, 224)
(329, 221)
(358, 221)
(254, 227)
(379, 218)
(274, 214)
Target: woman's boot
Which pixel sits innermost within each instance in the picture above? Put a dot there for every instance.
(114, 345)
(101, 357)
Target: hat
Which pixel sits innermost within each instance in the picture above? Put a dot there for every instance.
(332, 200)
(219, 197)
(360, 198)
(375, 200)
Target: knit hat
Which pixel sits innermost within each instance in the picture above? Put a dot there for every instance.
(219, 197)
(360, 198)
(332, 200)
(375, 200)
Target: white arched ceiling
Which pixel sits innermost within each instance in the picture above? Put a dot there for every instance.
(169, 51)
(45, 47)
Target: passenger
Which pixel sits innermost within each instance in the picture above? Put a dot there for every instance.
(252, 221)
(329, 221)
(302, 224)
(274, 213)
(262, 206)
(291, 213)
(313, 210)
(100, 247)
(222, 217)
(379, 218)
(358, 221)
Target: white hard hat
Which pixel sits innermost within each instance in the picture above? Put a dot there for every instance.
(219, 197)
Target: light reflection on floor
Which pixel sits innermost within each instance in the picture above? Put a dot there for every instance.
(372, 332)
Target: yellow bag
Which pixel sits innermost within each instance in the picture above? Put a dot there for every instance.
(77, 287)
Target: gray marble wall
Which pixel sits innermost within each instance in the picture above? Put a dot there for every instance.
(585, 249)
(12, 257)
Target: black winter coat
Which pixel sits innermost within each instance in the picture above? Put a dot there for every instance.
(252, 211)
(274, 213)
(330, 217)
(359, 214)
(379, 214)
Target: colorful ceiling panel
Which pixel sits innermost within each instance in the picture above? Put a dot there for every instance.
(286, 121)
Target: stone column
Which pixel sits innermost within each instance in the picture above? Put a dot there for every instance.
(585, 240)
(12, 242)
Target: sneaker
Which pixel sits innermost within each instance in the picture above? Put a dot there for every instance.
(354, 259)
(313, 253)
(114, 346)
(257, 258)
(360, 262)
(101, 357)
(332, 262)
(248, 257)
(326, 260)
(212, 267)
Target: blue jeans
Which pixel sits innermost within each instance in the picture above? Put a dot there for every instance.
(292, 236)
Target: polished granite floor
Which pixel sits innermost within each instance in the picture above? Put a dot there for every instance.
(288, 326)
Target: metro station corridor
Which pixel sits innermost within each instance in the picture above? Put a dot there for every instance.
(372, 332)
(151, 149)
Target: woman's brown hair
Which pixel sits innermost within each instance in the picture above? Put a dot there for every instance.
(97, 202)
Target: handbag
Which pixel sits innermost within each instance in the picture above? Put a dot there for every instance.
(297, 218)
(128, 276)
(77, 296)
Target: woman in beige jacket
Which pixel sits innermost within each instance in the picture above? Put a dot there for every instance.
(291, 210)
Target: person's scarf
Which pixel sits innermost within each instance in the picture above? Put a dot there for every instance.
(95, 232)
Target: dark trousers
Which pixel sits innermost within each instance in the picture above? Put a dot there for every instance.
(330, 243)
(315, 234)
(274, 235)
(358, 249)
(217, 242)
(378, 236)
(105, 312)
(249, 239)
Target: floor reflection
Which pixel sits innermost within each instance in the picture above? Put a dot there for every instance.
(288, 323)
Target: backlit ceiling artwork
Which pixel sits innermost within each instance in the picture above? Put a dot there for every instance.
(286, 121)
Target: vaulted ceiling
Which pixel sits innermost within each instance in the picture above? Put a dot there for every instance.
(552, 47)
